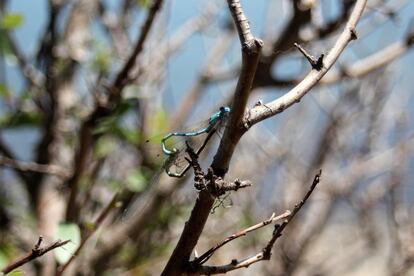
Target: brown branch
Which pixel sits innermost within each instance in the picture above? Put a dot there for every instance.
(26, 166)
(215, 185)
(266, 252)
(122, 78)
(251, 49)
(90, 232)
(149, 203)
(359, 68)
(279, 229)
(259, 113)
(36, 252)
(207, 255)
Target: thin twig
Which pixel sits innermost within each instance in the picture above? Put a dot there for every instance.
(26, 166)
(207, 255)
(259, 113)
(279, 229)
(123, 76)
(265, 254)
(36, 252)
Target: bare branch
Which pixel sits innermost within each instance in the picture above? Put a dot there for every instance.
(251, 49)
(259, 113)
(215, 185)
(26, 166)
(266, 252)
(207, 255)
(279, 228)
(36, 252)
(123, 76)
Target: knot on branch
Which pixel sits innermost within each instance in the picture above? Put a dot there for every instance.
(410, 39)
(252, 47)
(210, 182)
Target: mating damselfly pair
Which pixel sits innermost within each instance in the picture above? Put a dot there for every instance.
(215, 122)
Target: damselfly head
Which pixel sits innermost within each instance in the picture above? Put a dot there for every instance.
(225, 110)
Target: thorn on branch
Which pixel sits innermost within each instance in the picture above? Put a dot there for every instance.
(316, 64)
(354, 35)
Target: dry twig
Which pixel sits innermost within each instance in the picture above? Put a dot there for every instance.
(265, 254)
(36, 252)
(26, 166)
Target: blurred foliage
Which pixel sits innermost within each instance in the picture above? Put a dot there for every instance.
(4, 91)
(136, 181)
(16, 272)
(104, 146)
(143, 3)
(101, 59)
(11, 21)
(67, 231)
(20, 119)
(4, 44)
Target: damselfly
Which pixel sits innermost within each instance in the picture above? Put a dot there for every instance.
(214, 123)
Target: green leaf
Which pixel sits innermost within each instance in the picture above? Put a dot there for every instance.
(3, 259)
(16, 272)
(159, 122)
(104, 146)
(12, 21)
(131, 135)
(19, 119)
(102, 60)
(143, 3)
(67, 231)
(5, 48)
(109, 124)
(136, 181)
(4, 91)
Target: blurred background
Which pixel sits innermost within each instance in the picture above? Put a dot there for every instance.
(75, 137)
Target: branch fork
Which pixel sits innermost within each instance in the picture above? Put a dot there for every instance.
(253, 46)
(196, 266)
(210, 182)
